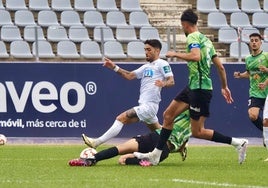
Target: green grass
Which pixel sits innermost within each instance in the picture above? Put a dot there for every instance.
(206, 166)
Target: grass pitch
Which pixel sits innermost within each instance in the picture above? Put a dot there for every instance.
(206, 166)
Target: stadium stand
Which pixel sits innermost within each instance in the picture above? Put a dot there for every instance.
(78, 33)
(67, 49)
(239, 19)
(10, 33)
(90, 50)
(47, 18)
(1, 6)
(234, 50)
(38, 5)
(126, 34)
(5, 18)
(3, 50)
(106, 6)
(20, 49)
(217, 20)
(114, 50)
(245, 32)
(149, 33)
(250, 6)
(265, 46)
(44, 49)
(84, 5)
(56, 34)
(229, 6)
(130, 5)
(106, 31)
(29, 33)
(206, 6)
(70, 18)
(14, 5)
(139, 19)
(93, 18)
(259, 19)
(265, 5)
(24, 18)
(61, 5)
(115, 19)
(135, 50)
(227, 35)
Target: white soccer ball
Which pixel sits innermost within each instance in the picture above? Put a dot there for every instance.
(88, 153)
(3, 139)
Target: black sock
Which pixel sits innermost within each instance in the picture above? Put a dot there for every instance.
(258, 123)
(164, 135)
(132, 161)
(218, 137)
(106, 154)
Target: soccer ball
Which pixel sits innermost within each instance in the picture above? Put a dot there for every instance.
(88, 153)
(3, 139)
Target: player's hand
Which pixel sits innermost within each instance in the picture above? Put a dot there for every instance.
(226, 93)
(236, 74)
(108, 63)
(262, 85)
(263, 68)
(170, 54)
(160, 83)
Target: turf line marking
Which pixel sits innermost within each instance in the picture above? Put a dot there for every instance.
(216, 184)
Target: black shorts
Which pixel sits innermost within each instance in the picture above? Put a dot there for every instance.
(198, 100)
(256, 102)
(148, 142)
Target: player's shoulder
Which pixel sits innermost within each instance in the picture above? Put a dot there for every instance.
(161, 62)
(265, 53)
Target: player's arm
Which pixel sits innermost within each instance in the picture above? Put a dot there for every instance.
(223, 79)
(124, 73)
(193, 55)
(168, 82)
(238, 74)
(263, 69)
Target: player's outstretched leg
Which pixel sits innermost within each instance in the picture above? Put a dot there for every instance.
(89, 141)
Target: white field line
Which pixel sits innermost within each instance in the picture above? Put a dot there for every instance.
(216, 184)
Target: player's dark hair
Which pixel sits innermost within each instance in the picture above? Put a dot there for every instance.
(154, 43)
(255, 35)
(189, 16)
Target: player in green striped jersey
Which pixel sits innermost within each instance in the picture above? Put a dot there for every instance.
(196, 96)
(254, 72)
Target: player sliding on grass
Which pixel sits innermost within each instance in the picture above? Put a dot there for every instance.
(197, 95)
(154, 76)
(146, 143)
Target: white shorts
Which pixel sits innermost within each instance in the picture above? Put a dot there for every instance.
(147, 112)
(265, 109)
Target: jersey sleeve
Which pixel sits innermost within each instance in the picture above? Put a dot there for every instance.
(165, 68)
(139, 72)
(192, 41)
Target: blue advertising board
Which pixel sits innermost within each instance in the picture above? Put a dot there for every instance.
(67, 99)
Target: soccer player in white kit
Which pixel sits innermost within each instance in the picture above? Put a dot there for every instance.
(154, 75)
(262, 86)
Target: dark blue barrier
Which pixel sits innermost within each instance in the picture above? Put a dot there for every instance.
(65, 100)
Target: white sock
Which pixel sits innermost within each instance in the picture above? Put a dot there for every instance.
(157, 152)
(265, 136)
(236, 142)
(113, 131)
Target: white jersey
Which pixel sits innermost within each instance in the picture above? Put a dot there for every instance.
(149, 73)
